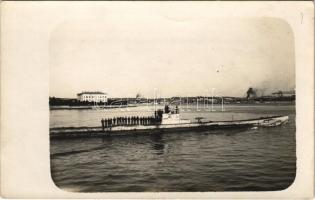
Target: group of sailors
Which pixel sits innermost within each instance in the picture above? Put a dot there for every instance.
(136, 120)
(132, 120)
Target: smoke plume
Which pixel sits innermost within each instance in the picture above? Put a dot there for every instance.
(250, 93)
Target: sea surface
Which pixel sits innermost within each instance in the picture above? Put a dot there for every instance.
(262, 159)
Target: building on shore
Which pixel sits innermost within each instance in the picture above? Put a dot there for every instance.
(92, 96)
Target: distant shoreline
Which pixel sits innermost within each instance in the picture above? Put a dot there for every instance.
(201, 105)
(87, 107)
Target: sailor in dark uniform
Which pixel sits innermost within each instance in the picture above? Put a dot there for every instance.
(176, 110)
(166, 109)
(103, 124)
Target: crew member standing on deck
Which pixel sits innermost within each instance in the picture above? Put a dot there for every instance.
(103, 124)
(110, 122)
(166, 109)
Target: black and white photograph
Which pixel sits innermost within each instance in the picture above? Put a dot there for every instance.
(137, 107)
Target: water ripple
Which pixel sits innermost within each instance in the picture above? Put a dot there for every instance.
(242, 160)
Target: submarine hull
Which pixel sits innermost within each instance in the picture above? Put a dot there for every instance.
(83, 132)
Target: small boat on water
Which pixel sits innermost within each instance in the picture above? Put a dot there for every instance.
(163, 121)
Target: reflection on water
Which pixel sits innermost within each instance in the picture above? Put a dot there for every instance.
(157, 143)
(222, 160)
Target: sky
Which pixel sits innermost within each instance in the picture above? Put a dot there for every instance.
(151, 54)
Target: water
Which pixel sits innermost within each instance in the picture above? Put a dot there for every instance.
(263, 159)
